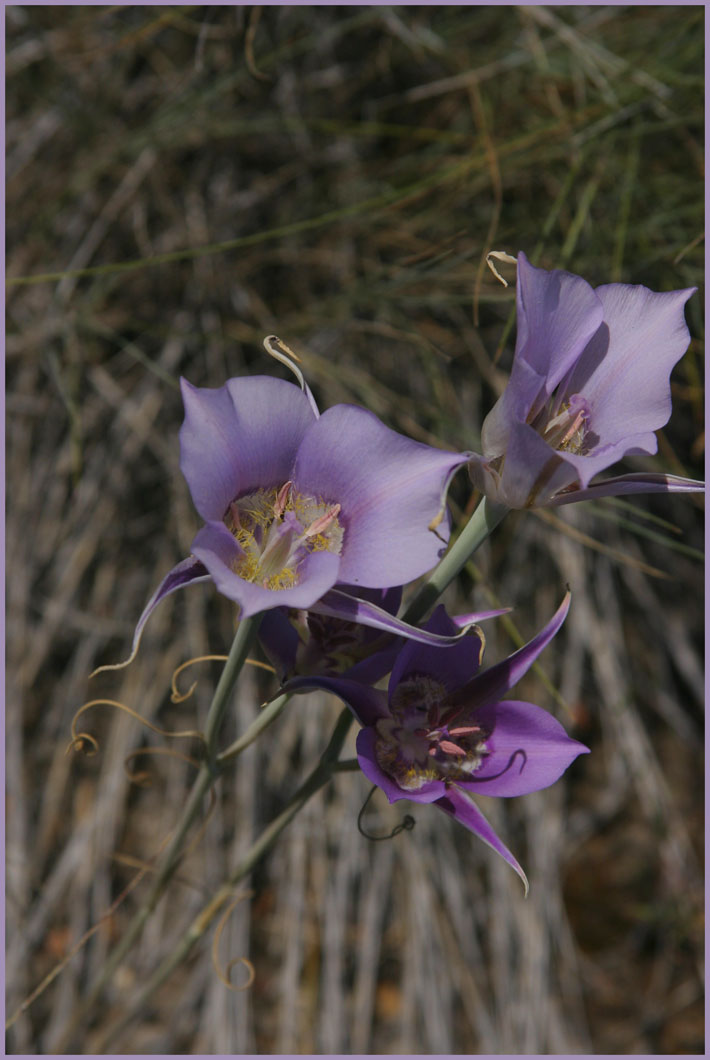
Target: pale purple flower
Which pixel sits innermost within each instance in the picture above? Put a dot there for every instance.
(442, 732)
(589, 385)
(294, 502)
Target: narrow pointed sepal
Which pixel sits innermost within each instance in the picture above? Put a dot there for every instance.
(185, 573)
(460, 806)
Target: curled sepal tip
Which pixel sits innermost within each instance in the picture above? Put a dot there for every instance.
(278, 349)
(184, 573)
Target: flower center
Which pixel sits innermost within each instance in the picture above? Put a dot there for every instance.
(277, 529)
(418, 743)
(567, 429)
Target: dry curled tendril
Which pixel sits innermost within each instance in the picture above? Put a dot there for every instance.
(225, 973)
(80, 739)
(180, 697)
(143, 778)
(84, 741)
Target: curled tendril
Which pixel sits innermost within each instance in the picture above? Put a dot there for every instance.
(80, 738)
(144, 779)
(406, 824)
(225, 973)
(180, 697)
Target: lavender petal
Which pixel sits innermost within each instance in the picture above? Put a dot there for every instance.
(390, 490)
(240, 437)
(460, 806)
(528, 750)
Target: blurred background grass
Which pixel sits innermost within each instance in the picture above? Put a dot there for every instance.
(187, 180)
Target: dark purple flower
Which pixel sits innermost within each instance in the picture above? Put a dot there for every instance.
(589, 384)
(442, 731)
(362, 648)
(294, 502)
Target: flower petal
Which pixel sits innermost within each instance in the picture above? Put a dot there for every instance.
(390, 490)
(624, 372)
(280, 641)
(367, 758)
(460, 806)
(367, 704)
(215, 546)
(528, 750)
(491, 684)
(184, 573)
(339, 604)
(557, 314)
(376, 666)
(532, 472)
(645, 482)
(239, 437)
(453, 667)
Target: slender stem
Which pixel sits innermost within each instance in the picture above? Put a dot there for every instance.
(322, 773)
(347, 765)
(267, 716)
(241, 646)
(482, 523)
(206, 776)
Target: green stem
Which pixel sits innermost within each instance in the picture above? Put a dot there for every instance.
(482, 523)
(241, 646)
(268, 715)
(322, 773)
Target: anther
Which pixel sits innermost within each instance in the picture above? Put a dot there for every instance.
(282, 498)
(323, 522)
(572, 430)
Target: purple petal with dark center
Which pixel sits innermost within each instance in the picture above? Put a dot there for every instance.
(215, 546)
(492, 684)
(390, 489)
(240, 437)
(184, 573)
(367, 704)
(460, 806)
(453, 667)
(338, 604)
(367, 758)
(528, 750)
(635, 483)
(624, 372)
